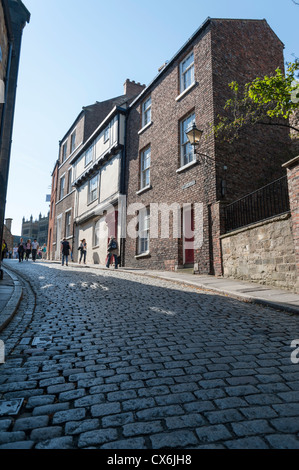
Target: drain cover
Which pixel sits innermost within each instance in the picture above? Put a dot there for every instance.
(10, 407)
(42, 341)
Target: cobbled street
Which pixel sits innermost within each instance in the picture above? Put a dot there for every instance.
(140, 363)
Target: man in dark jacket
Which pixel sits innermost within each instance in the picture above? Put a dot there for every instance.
(65, 249)
(112, 251)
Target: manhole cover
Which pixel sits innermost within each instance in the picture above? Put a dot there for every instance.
(10, 407)
(42, 341)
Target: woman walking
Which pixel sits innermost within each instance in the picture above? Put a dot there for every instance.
(28, 249)
(83, 249)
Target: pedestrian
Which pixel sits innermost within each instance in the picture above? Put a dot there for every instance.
(44, 251)
(83, 249)
(15, 252)
(4, 249)
(65, 248)
(34, 246)
(28, 249)
(21, 250)
(112, 252)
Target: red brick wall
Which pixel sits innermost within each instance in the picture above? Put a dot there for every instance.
(224, 51)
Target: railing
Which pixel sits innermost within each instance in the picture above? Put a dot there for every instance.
(269, 201)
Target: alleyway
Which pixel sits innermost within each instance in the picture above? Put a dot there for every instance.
(140, 363)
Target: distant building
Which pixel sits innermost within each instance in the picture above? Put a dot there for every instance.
(38, 229)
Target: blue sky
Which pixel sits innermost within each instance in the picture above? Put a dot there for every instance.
(75, 53)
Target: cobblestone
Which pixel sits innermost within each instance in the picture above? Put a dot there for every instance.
(121, 374)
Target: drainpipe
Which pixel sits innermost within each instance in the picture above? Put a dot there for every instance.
(123, 188)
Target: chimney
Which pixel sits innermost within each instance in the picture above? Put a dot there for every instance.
(132, 88)
(8, 223)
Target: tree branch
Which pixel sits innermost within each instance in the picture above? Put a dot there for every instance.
(278, 124)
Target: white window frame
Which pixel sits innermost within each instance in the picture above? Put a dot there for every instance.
(69, 180)
(68, 214)
(186, 74)
(63, 152)
(146, 111)
(93, 193)
(73, 141)
(143, 231)
(186, 149)
(61, 187)
(145, 168)
(90, 153)
(107, 134)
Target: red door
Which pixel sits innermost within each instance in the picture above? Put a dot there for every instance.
(188, 221)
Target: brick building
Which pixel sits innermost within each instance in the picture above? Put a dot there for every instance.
(162, 167)
(72, 144)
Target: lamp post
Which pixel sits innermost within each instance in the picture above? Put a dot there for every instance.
(194, 136)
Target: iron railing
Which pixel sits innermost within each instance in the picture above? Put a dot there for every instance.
(269, 201)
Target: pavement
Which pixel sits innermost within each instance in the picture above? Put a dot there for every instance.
(280, 299)
(10, 297)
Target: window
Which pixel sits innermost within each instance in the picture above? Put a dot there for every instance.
(187, 72)
(145, 163)
(89, 155)
(68, 224)
(106, 134)
(187, 151)
(93, 189)
(73, 141)
(146, 112)
(143, 233)
(61, 190)
(69, 181)
(64, 152)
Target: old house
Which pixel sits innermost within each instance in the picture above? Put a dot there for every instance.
(174, 191)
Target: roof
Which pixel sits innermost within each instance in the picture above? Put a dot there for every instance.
(185, 46)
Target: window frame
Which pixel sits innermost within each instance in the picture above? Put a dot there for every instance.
(68, 214)
(90, 151)
(73, 141)
(143, 243)
(61, 187)
(93, 193)
(145, 173)
(69, 180)
(107, 131)
(184, 142)
(63, 152)
(146, 112)
(186, 83)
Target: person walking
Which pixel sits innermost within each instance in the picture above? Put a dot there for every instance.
(44, 251)
(65, 248)
(3, 250)
(112, 252)
(83, 249)
(28, 249)
(21, 250)
(34, 247)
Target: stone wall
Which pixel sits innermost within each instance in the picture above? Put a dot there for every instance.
(263, 253)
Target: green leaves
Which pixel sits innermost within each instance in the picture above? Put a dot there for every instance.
(267, 98)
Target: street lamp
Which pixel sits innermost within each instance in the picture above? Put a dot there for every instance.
(194, 136)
